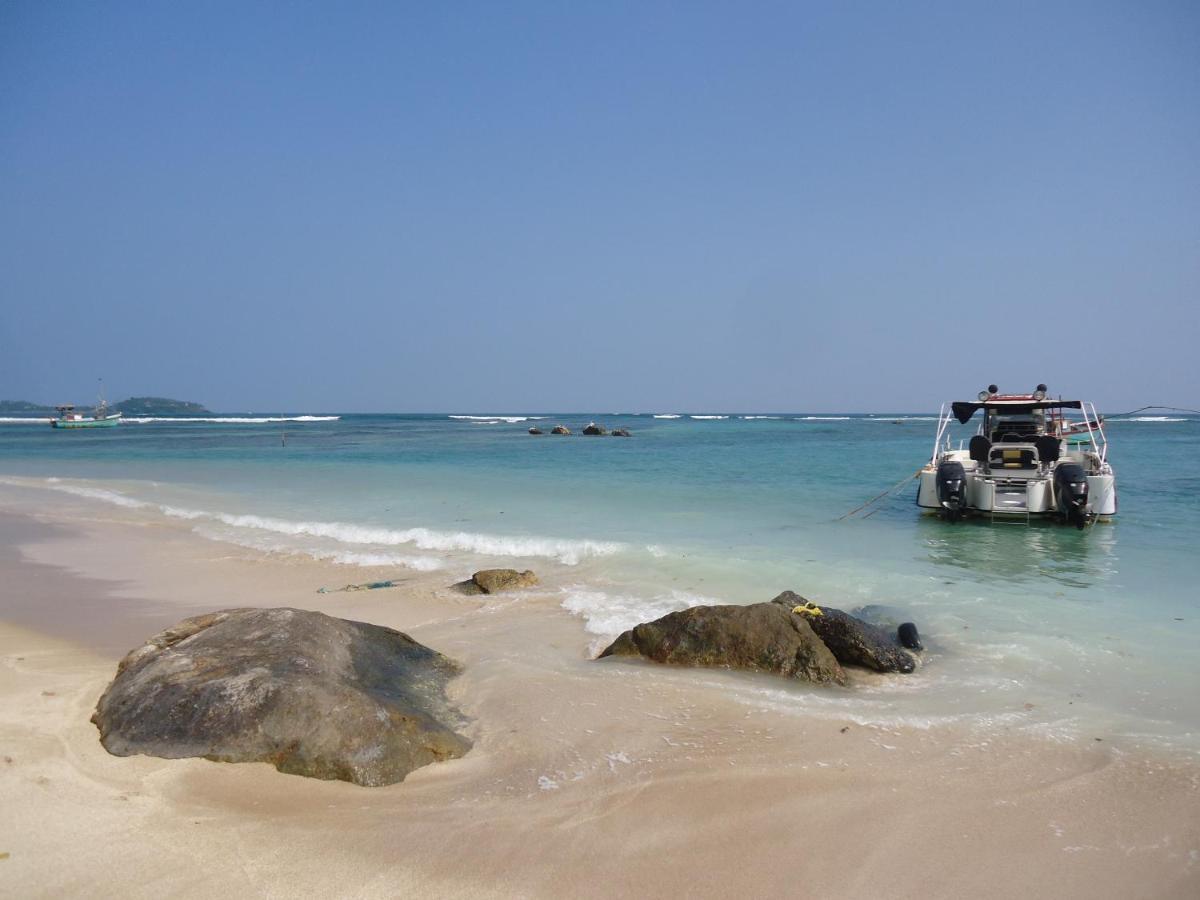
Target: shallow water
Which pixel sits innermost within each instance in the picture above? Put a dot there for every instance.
(1042, 627)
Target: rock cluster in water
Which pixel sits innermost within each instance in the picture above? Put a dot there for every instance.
(590, 429)
(311, 694)
(787, 636)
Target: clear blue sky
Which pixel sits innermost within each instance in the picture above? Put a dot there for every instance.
(599, 206)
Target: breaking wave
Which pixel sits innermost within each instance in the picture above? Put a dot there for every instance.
(567, 551)
(606, 615)
(495, 420)
(226, 420)
(668, 416)
(708, 417)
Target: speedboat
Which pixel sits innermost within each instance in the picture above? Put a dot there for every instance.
(1031, 456)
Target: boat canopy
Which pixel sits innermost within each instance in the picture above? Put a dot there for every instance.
(964, 409)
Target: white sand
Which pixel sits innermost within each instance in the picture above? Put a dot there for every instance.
(587, 778)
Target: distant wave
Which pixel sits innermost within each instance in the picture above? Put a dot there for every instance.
(567, 551)
(1151, 419)
(822, 418)
(708, 417)
(24, 420)
(227, 420)
(496, 420)
(748, 418)
(668, 416)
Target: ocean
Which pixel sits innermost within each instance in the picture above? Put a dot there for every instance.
(1042, 628)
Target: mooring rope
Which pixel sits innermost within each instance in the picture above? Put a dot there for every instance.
(895, 487)
(1182, 409)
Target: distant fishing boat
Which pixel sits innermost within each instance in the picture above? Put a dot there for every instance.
(100, 417)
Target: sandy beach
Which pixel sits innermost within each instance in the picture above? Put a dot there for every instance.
(586, 778)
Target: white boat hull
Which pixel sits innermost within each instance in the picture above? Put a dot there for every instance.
(1029, 496)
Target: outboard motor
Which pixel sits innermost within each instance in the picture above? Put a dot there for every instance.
(952, 489)
(1071, 489)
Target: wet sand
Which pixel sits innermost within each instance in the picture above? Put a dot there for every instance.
(587, 778)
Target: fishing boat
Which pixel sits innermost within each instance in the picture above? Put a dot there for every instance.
(1031, 456)
(100, 417)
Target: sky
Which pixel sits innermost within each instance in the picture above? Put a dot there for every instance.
(599, 206)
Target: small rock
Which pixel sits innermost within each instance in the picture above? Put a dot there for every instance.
(560, 429)
(593, 429)
(621, 432)
(536, 430)
(493, 581)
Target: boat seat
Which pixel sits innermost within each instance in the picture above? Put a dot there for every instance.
(1048, 447)
(1013, 458)
(979, 448)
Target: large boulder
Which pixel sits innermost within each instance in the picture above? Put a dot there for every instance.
(763, 637)
(853, 641)
(308, 693)
(494, 581)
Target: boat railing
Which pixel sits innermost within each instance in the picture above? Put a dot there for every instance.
(1095, 434)
(944, 416)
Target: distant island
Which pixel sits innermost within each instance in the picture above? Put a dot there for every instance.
(132, 406)
(158, 406)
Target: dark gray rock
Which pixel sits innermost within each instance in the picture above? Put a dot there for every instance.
(909, 637)
(591, 428)
(535, 430)
(621, 432)
(853, 641)
(308, 693)
(763, 637)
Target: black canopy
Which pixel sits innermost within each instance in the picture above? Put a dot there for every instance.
(963, 409)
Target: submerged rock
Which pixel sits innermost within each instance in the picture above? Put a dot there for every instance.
(621, 432)
(763, 637)
(853, 641)
(311, 694)
(535, 430)
(493, 581)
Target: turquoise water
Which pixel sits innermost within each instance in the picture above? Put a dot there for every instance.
(1038, 627)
